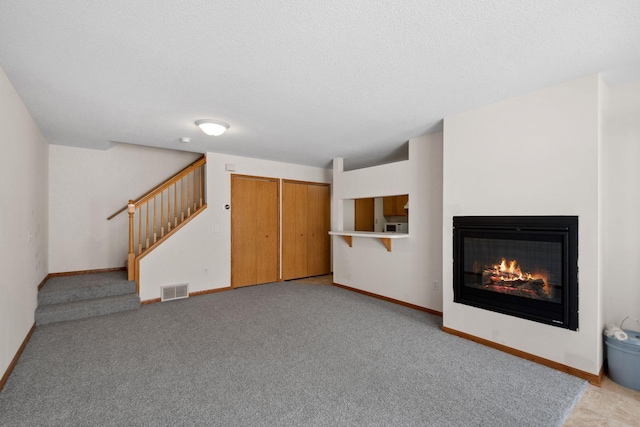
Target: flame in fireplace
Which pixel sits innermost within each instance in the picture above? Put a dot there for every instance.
(509, 273)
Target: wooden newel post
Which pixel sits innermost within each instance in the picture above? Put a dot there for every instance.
(131, 273)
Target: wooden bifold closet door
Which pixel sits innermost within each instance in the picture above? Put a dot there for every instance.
(254, 230)
(305, 229)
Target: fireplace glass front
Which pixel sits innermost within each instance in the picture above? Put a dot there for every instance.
(521, 266)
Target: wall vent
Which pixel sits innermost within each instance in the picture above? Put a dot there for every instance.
(171, 292)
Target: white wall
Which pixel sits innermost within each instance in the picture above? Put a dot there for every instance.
(86, 186)
(408, 272)
(541, 151)
(621, 205)
(185, 255)
(349, 209)
(23, 219)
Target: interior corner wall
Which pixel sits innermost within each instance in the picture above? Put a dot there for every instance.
(24, 225)
(412, 271)
(200, 253)
(536, 154)
(621, 204)
(87, 186)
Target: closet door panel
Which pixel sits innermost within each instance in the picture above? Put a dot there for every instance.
(267, 240)
(288, 230)
(243, 232)
(254, 230)
(319, 216)
(294, 233)
(302, 232)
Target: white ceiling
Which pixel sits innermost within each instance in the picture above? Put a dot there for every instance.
(298, 81)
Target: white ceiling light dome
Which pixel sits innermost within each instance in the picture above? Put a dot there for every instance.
(212, 127)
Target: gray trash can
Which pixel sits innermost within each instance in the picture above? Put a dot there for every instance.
(624, 360)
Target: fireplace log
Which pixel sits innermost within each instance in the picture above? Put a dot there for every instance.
(506, 279)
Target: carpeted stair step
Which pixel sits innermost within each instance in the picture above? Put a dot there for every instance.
(75, 310)
(79, 296)
(64, 289)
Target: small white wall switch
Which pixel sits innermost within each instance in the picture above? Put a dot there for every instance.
(436, 286)
(206, 271)
(229, 167)
(216, 229)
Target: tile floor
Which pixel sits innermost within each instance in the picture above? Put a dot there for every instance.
(609, 405)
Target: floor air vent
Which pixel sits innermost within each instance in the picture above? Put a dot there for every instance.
(171, 292)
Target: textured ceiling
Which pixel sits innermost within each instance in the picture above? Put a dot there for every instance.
(298, 81)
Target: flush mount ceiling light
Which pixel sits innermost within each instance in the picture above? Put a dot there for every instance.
(212, 127)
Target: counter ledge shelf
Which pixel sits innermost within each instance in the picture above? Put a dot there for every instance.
(385, 238)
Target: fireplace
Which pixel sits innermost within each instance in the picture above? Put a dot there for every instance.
(524, 266)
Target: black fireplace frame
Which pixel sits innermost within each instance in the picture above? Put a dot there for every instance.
(563, 229)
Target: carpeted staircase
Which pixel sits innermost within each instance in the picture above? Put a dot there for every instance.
(86, 295)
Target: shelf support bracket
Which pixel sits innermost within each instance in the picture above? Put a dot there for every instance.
(349, 240)
(386, 242)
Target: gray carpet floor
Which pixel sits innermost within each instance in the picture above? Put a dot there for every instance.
(281, 354)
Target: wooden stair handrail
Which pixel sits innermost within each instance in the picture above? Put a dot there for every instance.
(171, 180)
(186, 171)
